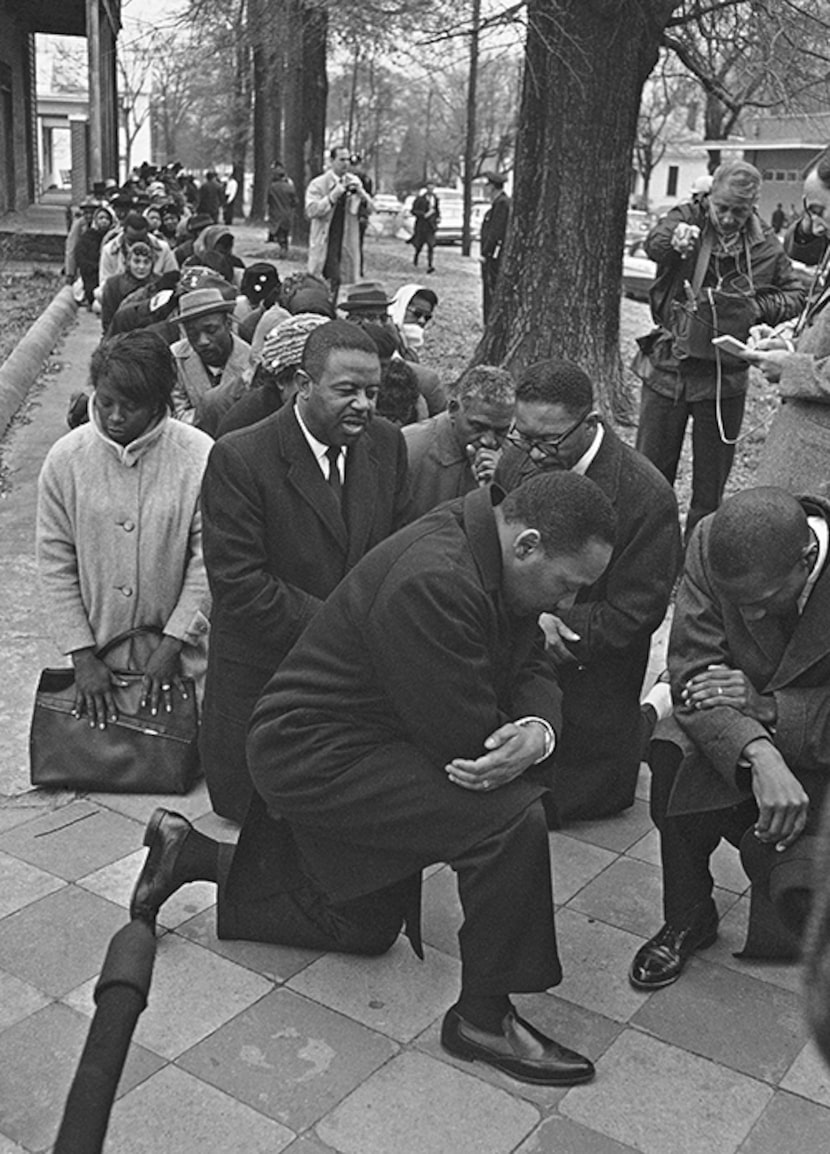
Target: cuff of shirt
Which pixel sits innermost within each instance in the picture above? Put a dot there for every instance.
(550, 736)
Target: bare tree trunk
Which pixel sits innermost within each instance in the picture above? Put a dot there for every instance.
(559, 290)
(470, 139)
(305, 96)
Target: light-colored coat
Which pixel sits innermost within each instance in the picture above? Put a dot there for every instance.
(119, 540)
(113, 257)
(319, 209)
(193, 382)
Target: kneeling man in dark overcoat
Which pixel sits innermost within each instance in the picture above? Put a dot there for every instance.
(746, 753)
(412, 723)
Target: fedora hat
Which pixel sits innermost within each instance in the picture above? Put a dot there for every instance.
(365, 295)
(201, 302)
(499, 179)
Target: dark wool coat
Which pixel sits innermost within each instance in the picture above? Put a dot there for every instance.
(598, 758)
(414, 660)
(275, 542)
(792, 666)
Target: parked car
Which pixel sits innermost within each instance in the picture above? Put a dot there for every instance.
(384, 218)
(638, 275)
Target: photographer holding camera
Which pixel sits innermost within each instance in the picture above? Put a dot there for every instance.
(332, 204)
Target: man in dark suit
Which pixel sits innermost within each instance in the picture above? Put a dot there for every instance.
(746, 752)
(289, 506)
(491, 241)
(413, 723)
(600, 644)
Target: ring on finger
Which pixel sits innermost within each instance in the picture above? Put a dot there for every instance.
(485, 785)
(166, 688)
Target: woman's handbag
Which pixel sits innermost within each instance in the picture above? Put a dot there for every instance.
(138, 753)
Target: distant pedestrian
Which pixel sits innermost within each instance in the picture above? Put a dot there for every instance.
(211, 196)
(282, 201)
(426, 208)
(779, 218)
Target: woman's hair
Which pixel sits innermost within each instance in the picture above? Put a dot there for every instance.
(398, 393)
(140, 365)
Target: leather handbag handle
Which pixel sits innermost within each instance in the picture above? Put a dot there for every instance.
(125, 636)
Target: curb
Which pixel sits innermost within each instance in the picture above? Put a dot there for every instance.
(20, 370)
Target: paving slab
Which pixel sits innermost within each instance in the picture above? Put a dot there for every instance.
(193, 993)
(660, 1099)
(412, 1103)
(277, 963)
(809, 1076)
(117, 881)
(290, 1058)
(397, 994)
(574, 864)
(38, 1059)
(715, 1013)
(789, 1123)
(52, 842)
(174, 1111)
(595, 960)
(21, 884)
(58, 942)
(566, 1137)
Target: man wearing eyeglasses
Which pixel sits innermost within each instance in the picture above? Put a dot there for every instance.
(600, 644)
(458, 450)
(796, 451)
(720, 270)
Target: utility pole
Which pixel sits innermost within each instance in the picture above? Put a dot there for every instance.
(93, 39)
(470, 143)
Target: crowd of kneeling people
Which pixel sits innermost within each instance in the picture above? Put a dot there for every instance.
(359, 603)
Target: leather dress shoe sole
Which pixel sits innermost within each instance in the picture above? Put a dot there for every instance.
(520, 1050)
(662, 959)
(164, 836)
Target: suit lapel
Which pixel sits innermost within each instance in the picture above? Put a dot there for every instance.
(306, 477)
(360, 496)
(810, 641)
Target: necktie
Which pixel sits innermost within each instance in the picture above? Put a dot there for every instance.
(333, 454)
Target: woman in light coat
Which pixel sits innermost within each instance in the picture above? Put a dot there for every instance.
(119, 531)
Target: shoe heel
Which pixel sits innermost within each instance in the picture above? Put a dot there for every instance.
(156, 818)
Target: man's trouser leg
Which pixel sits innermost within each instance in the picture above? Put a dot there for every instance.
(712, 456)
(687, 841)
(265, 896)
(660, 430)
(508, 941)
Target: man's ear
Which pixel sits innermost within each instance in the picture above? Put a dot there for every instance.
(453, 405)
(303, 382)
(526, 543)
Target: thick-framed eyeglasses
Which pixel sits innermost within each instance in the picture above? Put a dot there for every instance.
(547, 446)
(815, 212)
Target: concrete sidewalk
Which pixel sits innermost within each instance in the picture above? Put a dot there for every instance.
(249, 1048)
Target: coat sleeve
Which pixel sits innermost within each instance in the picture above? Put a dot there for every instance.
(317, 200)
(236, 556)
(783, 297)
(698, 639)
(188, 619)
(807, 375)
(637, 585)
(430, 633)
(57, 560)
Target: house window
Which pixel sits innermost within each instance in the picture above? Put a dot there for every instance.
(768, 174)
(780, 175)
(792, 176)
(671, 180)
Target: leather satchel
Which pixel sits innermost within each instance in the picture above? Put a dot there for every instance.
(138, 753)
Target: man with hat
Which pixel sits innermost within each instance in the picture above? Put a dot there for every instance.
(289, 506)
(210, 359)
(744, 754)
(282, 201)
(366, 303)
(274, 380)
(493, 235)
(196, 223)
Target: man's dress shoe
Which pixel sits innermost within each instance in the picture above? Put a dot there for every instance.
(519, 1050)
(165, 835)
(661, 960)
